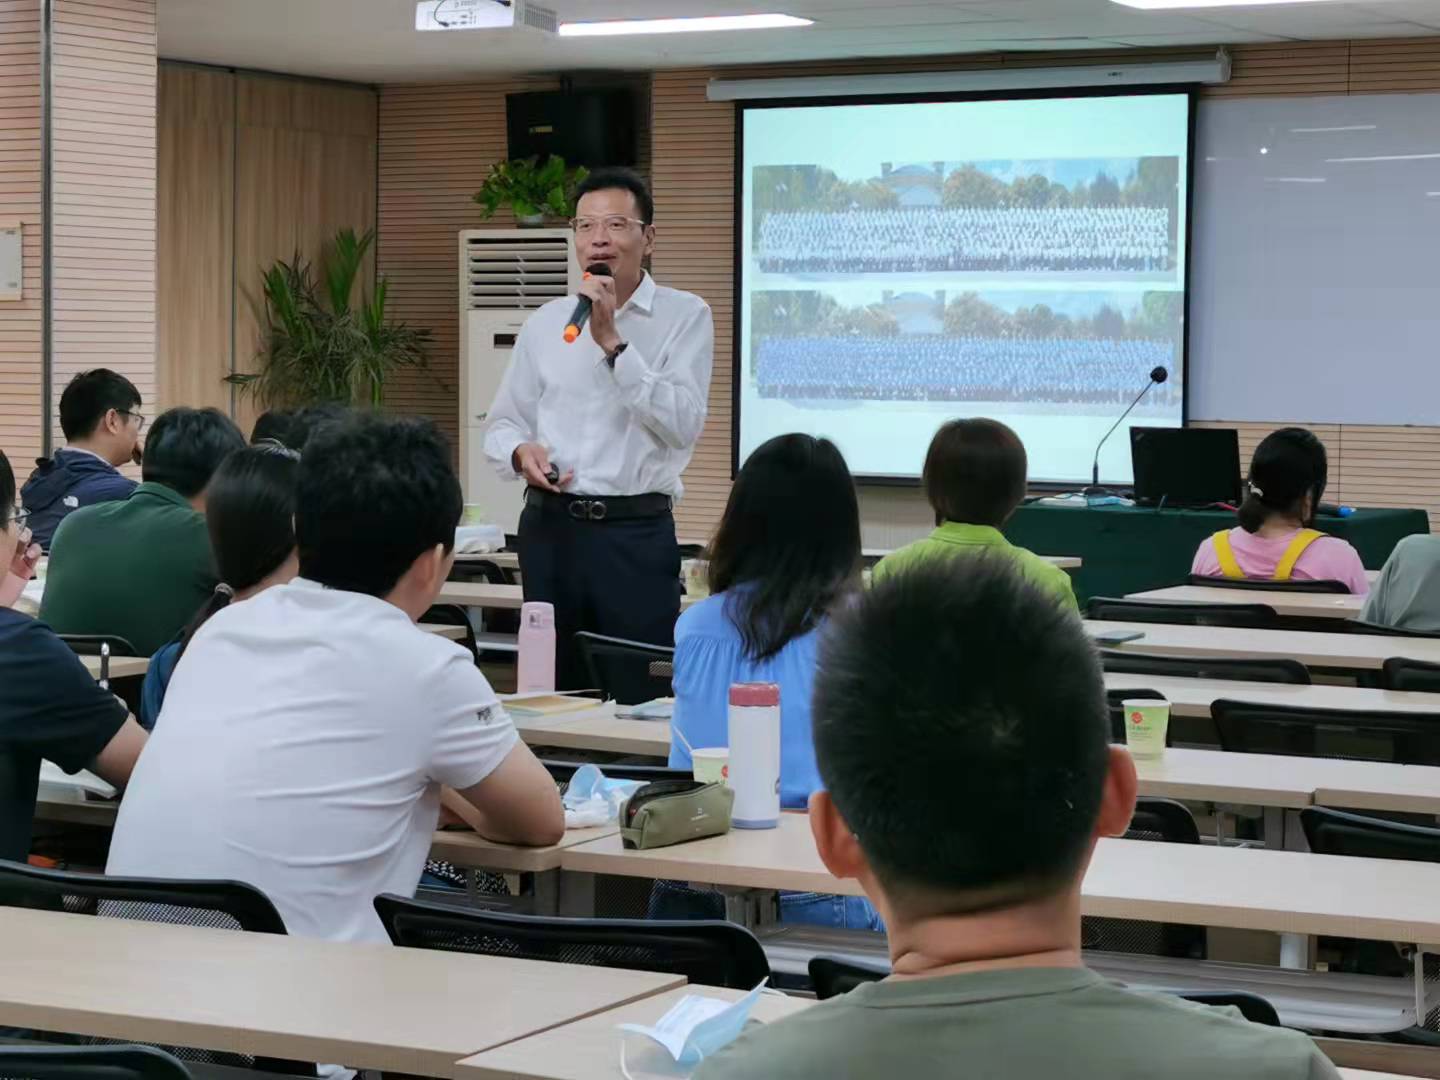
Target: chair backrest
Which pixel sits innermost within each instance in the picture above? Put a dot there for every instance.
(90, 1063)
(1360, 626)
(90, 644)
(1399, 673)
(1334, 832)
(223, 905)
(708, 953)
(1363, 735)
(1113, 698)
(1294, 586)
(1292, 672)
(1177, 613)
(454, 615)
(630, 672)
(562, 771)
(832, 978)
(1163, 821)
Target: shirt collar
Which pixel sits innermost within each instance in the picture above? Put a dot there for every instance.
(82, 450)
(954, 532)
(163, 493)
(643, 298)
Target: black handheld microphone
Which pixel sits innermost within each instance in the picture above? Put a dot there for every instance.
(1157, 376)
(581, 314)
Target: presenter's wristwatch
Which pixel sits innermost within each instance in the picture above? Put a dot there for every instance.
(614, 354)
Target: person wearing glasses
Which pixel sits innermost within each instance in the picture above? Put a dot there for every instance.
(50, 706)
(600, 430)
(100, 418)
(139, 569)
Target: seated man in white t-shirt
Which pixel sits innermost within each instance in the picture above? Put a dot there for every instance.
(307, 732)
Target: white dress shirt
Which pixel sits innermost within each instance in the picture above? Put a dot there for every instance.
(625, 432)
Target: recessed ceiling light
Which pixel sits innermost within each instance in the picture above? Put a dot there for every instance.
(1168, 5)
(681, 26)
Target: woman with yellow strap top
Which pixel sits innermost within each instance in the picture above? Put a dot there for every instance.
(1275, 540)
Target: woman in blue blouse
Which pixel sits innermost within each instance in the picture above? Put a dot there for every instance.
(787, 550)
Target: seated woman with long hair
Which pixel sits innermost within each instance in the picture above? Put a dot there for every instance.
(250, 513)
(787, 551)
(1276, 539)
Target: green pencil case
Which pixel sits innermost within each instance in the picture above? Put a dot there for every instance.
(674, 811)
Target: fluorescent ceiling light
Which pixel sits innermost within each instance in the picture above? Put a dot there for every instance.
(1169, 5)
(681, 26)
(1380, 157)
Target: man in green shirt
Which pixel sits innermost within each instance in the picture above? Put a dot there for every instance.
(961, 732)
(975, 477)
(141, 568)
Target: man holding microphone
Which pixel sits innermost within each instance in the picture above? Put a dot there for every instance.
(600, 429)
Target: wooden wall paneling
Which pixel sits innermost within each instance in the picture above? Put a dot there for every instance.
(305, 159)
(1391, 466)
(21, 410)
(196, 229)
(103, 161)
(437, 144)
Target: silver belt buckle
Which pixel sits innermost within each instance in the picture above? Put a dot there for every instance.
(588, 510)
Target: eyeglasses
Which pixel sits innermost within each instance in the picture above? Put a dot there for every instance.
(18, 516)
(615, 225)
(138, 416)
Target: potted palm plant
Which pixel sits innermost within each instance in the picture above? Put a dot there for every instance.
(533, 190)
(321, 346)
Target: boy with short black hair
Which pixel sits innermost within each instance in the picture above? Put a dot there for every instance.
(961, 732)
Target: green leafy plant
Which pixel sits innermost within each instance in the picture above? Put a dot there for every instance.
(319, 345)
(530, 189)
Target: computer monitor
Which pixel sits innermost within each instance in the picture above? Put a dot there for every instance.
(1185, 466)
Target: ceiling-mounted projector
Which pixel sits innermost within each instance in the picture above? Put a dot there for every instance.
(483, 15)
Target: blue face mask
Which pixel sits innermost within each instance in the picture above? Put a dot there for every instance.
(697, 1027)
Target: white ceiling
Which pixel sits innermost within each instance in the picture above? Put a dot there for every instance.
(375, 40)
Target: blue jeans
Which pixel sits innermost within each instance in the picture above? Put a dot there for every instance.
(676, 900)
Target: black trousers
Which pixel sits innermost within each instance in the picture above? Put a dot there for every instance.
(618, 578)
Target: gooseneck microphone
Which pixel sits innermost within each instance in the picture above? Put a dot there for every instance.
(581, 315)
(1157, 376)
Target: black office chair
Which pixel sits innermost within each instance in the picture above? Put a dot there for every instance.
(629, 672)
(832, 978)
(1323, 586)
(707, 953)
(454, 615)
(1360, 626)
(1362, 735)
(1250, 616)
(1402, 674)
(220, 905)
(1113, 698)
(90, 1063)
(1291, 672)
(1169, 822)
(90, 644)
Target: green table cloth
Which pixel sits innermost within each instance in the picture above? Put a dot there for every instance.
(1131, 548)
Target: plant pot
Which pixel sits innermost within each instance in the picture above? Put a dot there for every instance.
(531, 221)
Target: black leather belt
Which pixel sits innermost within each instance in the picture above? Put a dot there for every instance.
(599, 507)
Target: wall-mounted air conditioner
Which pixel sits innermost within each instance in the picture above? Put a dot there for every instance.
(505, 274)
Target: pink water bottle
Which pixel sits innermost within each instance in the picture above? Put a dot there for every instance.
(536, 672)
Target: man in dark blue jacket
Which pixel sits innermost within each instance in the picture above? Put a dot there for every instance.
(99, 415)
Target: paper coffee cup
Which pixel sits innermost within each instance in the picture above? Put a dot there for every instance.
(1146, 723)
(711, 765)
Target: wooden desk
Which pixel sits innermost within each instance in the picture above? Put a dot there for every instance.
(482, 594)
(597, 730)
(368, 1006)
(590, 1049)
(1361, 652)
(1193, 697)
(470, 850)
(1289, 604)
(121, 667)
(1244, 888)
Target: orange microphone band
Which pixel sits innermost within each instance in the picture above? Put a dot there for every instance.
(572, 332)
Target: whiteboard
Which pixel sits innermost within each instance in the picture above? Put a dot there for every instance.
(1315, 288)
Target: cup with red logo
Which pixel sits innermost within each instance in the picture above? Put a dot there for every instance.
(1147, 722)
(711, 764)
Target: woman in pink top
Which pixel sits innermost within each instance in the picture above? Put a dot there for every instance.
(1276, 540)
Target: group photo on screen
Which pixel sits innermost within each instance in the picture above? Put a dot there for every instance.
(1103, 218)
(1048, 349)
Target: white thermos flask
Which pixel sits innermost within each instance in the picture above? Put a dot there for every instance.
(535, 671)
(755, 755)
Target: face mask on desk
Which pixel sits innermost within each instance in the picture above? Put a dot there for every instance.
(696, 1027)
